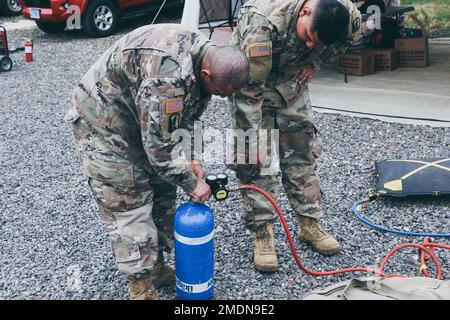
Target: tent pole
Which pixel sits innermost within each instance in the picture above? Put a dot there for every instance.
(157, 14)
(191, 13)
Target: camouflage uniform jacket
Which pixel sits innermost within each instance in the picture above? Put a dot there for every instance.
(145, 87)
(266, 31)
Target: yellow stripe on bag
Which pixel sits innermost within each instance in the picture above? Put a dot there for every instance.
(397, 185)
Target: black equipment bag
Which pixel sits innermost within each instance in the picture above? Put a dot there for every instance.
(401, 178)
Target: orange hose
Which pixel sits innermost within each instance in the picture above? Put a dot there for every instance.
(422, 248)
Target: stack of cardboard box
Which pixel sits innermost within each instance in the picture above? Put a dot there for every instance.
(385, 59)
(357, 63)
(412, 52)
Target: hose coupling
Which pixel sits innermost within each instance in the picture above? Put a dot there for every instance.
(234, 188)
(372, 195)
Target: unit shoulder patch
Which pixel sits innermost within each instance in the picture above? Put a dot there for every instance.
(260, 50)
(173, 105)
(174, 122)
(356, 25)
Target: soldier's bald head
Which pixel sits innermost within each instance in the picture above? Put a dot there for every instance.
(224, 69)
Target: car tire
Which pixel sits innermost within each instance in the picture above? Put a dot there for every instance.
(10, 7)
(51, 27)
(5, 63)
(101, 18)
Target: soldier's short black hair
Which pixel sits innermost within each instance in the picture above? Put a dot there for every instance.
(330, 21)
(229, 65)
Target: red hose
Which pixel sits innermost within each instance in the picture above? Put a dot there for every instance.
(422, 249)
(424, 257)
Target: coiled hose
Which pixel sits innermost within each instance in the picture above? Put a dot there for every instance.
(425, 249)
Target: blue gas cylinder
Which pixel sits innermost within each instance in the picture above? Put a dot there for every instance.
(194, 251)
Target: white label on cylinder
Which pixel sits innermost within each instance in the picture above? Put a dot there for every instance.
(194, 241)
(28, 49)
(195, 288)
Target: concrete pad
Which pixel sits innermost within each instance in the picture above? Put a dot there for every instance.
(422, 93)
(395, 96)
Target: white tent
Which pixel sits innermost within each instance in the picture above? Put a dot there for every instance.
(210, 13)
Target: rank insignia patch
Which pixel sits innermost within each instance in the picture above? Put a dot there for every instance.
(173, 105)
(260, 50)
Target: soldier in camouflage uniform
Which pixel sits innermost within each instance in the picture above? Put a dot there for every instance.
(126, 109)
(285, 42)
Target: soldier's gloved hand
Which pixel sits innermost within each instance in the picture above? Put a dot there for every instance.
(306, 75)
(202, 192)
(197, 170)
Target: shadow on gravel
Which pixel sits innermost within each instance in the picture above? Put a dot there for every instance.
(410, 214)
(419, 201)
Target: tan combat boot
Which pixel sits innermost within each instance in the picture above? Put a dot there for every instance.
(162, 275)
(309, 230)
(265, 258)
(142, 289)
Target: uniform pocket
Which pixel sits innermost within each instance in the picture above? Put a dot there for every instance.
(126, 252)
(103, 166)
(289, 91)
(301, 143)
(260, 60)
(161, 104)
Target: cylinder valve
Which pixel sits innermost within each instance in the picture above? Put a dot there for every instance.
(218, 184)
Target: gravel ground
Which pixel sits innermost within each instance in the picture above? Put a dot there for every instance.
(54, 246)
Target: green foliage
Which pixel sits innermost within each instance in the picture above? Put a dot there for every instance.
(433, 14)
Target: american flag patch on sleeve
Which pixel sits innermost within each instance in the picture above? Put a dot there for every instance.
(173, 105)
(260, 50)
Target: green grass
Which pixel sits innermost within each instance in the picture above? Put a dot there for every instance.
(434, 13)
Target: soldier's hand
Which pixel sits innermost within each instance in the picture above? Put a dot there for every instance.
(202, 192)
(306, 75)
(197, 170)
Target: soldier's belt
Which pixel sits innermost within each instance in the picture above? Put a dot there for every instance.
(400, 178)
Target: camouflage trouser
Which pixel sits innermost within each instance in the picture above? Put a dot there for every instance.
(299, 146)
(136, 206)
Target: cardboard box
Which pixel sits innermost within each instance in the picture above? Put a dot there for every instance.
(357, 63)
(412, 52)
(385, 59)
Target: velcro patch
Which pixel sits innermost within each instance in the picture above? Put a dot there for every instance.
(356, 24)
(173, 105)
(174, 122)
(175, 92)
(260, 50)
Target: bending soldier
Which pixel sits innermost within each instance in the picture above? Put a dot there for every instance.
(285, 42)
(153, 81)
